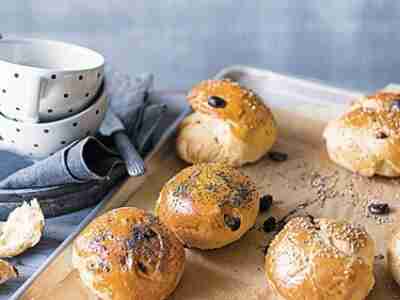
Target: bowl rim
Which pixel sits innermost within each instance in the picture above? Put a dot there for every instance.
(99, 57)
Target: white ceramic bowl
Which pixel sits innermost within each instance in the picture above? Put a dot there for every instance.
(39, 140)
(42, 80)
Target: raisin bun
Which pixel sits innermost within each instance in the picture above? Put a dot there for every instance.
(208, 206)
(366, 139)
(320, 259)
(230, 125)
(127, 254)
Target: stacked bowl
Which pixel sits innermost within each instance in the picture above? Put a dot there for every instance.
(51, 94)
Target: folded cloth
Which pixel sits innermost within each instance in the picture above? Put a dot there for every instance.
(95, 158)
(129, 110)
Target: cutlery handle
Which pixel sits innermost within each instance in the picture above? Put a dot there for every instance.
(134, 162)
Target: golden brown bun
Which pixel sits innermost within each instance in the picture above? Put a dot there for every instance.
(208, 205)
(393, 255)
(366, 139)
(320, 259)
(241, 131)
(127, 254)
(7, 271)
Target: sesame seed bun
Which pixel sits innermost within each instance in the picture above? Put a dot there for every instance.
(235, 129)
(366, 139)
(127, 254)
(209, 206)
(320, 259)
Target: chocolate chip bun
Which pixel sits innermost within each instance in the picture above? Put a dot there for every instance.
(208, 206)
(230, 125)
(320, 259)
(127, 254)
(366, 139)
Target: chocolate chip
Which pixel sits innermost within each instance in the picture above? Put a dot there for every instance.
(269, 224)
(379, 208)
(232, 222)
(265, 203)
(216, 102)
(277, 156)
(396, 104)
(381, 135)
(149, 234)
(142, 267)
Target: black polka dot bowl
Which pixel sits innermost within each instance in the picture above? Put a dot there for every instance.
(42, 80)
(40, 140)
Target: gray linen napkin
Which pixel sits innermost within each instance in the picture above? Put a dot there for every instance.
(95, 159)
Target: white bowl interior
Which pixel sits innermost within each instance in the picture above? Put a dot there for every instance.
(50, 55)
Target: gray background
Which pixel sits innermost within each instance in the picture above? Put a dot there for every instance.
(351, 43)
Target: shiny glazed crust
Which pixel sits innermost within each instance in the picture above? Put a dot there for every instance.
(366, 139)
(7, 271)
(393, 255)
(240, 132)
(320, 259)
(199, 201)
(127, 254)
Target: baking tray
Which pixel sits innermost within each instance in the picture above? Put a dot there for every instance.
(301, 108)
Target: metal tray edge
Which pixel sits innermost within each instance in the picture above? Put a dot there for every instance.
(164, 138)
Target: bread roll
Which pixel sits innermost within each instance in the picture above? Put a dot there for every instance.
(208, 206)
(22, 230)
(7, 271)
(393, 255)
(127, 254)
(366, 139)
(317, 259)
(230, 125)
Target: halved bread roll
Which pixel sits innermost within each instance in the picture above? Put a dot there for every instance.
(22, 230)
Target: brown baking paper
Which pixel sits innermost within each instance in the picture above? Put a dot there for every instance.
(307, 181)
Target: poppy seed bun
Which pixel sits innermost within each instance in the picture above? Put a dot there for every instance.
(208, 206)
(127, 254)
(320, 259)
(366, 139)
(230, 125)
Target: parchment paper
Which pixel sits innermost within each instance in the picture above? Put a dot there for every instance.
(236, 271)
